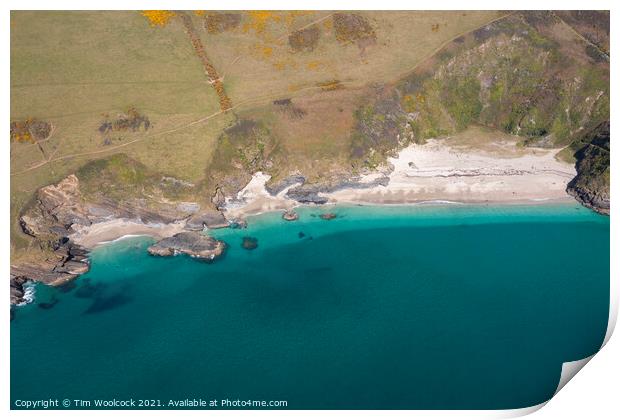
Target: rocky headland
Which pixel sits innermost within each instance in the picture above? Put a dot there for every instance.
(66, 220)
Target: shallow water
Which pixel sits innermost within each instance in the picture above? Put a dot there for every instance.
(421, 307)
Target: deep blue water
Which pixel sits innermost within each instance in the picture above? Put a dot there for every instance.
(392, 307)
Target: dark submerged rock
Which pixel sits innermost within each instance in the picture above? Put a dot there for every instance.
(48, 305)
(88, 290)
(67, 287)
(249, 243)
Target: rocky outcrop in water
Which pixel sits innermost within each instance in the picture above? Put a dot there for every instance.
(194, 244)
(290, 215)
(17, 289)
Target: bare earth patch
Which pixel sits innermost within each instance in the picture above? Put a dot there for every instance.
(216, 23)
(30, 130)
(305, 39)
(353, 28)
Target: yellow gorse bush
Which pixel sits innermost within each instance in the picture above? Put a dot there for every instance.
(158, 17)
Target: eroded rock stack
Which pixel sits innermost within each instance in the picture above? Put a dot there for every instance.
(194, 244)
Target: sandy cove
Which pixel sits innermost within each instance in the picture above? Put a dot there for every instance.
(100, 233)
(254, 199)
(441, 170)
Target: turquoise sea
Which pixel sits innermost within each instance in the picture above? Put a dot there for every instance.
(418, 307)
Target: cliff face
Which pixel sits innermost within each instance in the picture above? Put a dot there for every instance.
(591, 185)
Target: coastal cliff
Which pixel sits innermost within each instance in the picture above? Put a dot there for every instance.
(591, 185)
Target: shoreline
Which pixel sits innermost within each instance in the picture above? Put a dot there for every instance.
(112, 231)
(454, 171)
(118, 229)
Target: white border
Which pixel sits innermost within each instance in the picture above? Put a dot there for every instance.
(593, 394)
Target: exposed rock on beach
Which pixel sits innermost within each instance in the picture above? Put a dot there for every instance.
(277, 187)
(306, 195)
(207, 219)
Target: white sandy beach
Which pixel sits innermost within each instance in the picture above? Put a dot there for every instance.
(99, 233)
(499, 173)
(441, 171)
(255, 199)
